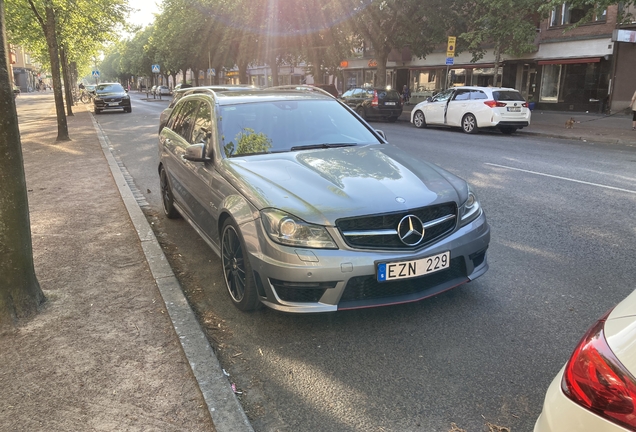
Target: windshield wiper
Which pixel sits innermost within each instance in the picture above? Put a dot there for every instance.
(321, 146)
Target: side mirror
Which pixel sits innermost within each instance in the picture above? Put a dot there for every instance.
(196, 153)
(381, 133)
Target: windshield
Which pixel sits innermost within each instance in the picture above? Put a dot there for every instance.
(280, 126)
(108, 88)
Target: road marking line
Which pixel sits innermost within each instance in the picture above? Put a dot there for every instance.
(563, 178)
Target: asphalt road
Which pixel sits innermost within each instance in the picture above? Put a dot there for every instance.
(563, 242)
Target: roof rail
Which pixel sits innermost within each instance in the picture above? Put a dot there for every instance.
(301, 87)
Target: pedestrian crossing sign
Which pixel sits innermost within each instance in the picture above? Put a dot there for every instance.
(155, 68)
(95, 73)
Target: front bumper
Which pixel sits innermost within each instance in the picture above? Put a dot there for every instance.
(561, 414)
(111, 104)
(319, 280)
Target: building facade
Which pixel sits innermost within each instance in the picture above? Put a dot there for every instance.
(587, 68)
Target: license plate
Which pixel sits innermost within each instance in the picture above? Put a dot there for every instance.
(514, 109)
(410, 269)
(113, 104)
(389, 103)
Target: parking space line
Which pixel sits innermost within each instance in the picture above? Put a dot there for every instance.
(562, 178)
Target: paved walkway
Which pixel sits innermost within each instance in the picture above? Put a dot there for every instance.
(116, 346)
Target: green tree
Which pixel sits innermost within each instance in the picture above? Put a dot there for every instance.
(20, 293)
(508, 26)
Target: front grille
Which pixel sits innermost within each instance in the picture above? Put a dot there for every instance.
(300, 292)
(390, 221)
(363, 288)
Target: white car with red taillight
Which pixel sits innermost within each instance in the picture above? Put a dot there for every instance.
(596, 390)
(472, 108)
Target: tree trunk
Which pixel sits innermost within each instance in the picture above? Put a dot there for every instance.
(273, 66)
(316, 60)
(242, 65)
(20, 293)
(67, 82)
(51, 42)
(381, 59)
(497, 63)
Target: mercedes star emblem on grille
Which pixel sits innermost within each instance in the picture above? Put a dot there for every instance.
(410, 230)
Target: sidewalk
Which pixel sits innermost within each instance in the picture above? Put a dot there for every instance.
(103, 354)
(594, 128)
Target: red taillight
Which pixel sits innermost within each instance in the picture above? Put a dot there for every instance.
(493, 104)
(525, 104)
(374, 102)
(595, 379)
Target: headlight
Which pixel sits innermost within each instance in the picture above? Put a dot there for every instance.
(289, 230)
(470, 209)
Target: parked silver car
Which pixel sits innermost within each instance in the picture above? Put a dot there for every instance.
(310, 209)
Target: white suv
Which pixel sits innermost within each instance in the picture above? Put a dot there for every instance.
(472, 108)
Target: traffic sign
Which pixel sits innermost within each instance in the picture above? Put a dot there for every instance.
(156, 68)
(450, 50)
(450, 60)
(211, 72)
(95, 73)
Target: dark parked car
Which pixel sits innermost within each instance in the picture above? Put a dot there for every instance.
(111, 96)
(310, 209)
(374, 103)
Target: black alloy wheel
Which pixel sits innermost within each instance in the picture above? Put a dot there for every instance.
(167, 198)
(237, 271)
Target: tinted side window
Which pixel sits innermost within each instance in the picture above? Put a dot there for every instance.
(183, 123)
(347, 93)
(478, 95)
(202, 124)
(507, 95)
(462, 95)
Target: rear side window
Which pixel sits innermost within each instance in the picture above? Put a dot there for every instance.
(507, 95)
(478, 95)
(462, 95)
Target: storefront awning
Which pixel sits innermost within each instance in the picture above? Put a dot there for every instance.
(570, 61)
(456, 66)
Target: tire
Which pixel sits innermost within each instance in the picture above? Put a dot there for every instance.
(85, 98)
(469, 124)
(97, 111)
(508, 130)
(237, 270)
(392, 119)
(167, 199)
(360, 112)
(418, 120)
(128, 110)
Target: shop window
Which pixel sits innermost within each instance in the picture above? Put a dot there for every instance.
(550, 79)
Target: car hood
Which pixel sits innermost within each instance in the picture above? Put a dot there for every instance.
(321, 186)
(620, 332)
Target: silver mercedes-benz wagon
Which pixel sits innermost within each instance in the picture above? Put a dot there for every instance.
(310, 209)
